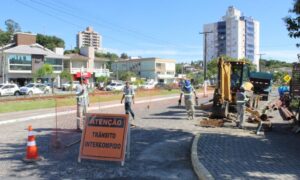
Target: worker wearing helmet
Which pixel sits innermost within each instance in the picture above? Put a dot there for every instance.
(82, 102)
(241, 100)
(187, 90)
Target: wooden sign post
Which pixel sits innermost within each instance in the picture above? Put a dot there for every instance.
(104, 137)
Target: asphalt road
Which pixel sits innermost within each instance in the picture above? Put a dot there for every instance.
(160, 145)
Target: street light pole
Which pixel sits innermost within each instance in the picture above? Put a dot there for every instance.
(2, 64)
(205, 61)
(260, 55)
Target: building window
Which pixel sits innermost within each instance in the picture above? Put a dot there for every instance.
(20, 62)
(79, 64)
(57, 64)
(52, 61)
(20, 67)
(19, 59)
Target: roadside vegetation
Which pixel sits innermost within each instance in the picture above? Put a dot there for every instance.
(18, 105)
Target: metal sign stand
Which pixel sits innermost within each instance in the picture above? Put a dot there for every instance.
(297, 127)
(127, 142)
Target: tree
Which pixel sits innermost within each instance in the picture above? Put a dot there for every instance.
(103, 79)
(46, 71)
(72, 51)
(50, 42)
(212, 68)
(66, 75)
(108, 55)
(12, 26)
(124, 56)
(126, 75)
(179, 68)
(293, 21)
(111, 56)
(139, 82)
(278, 77)
(5, 38)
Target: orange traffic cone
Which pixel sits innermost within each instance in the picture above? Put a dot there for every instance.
(32, 150)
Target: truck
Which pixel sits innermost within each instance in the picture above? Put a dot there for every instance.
(262, 84)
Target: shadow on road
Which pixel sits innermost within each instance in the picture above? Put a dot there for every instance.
(155, 154)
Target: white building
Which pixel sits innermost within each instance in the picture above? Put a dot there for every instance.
(85, 62)
(236, 36)
(89, 38)
(161, 70)
(24, 57)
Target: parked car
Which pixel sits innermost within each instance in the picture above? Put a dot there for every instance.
(149, 85)
(9, 89)
(35, 88)
(66, 86)
(115, 87)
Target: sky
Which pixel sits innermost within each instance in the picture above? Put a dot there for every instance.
(154, 28)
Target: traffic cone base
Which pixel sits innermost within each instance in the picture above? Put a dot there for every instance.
(32, 160)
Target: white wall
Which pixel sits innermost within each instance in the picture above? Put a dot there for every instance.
(256, 44)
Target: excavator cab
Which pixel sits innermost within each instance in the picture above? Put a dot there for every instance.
(239, 74)
(231, 76)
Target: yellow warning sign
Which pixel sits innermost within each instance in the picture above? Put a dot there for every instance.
(287, 78)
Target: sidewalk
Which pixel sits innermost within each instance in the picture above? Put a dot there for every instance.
(231, 153)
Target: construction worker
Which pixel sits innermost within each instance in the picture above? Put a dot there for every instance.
(234, 78)
(128, 95)
(187, 90)
(81, 96)
(241, 102)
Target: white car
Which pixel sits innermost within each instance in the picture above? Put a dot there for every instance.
(115, 87)
(9, 89)
(67, 85)
(149, 85)
(35, 88)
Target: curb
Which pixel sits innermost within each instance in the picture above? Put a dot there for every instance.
(199, 169)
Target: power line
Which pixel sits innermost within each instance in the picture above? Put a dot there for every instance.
(66, 21)
(109, 26)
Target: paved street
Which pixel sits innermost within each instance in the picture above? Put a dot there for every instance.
(160, 147)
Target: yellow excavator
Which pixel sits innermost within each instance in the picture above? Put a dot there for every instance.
(231, 76)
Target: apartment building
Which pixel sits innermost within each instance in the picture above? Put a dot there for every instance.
(161, 70)
(89, 38)
(86, 64)
(236, 36)
(24, 57)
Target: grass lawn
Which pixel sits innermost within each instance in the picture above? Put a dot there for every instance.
(14, 106)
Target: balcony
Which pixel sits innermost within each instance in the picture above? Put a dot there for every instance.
(165, 76)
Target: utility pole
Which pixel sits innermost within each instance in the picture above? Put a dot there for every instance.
(2, 64)
(204, 62)
(259, 67)
(117, 66)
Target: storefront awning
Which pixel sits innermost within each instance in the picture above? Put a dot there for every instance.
(84, 75)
